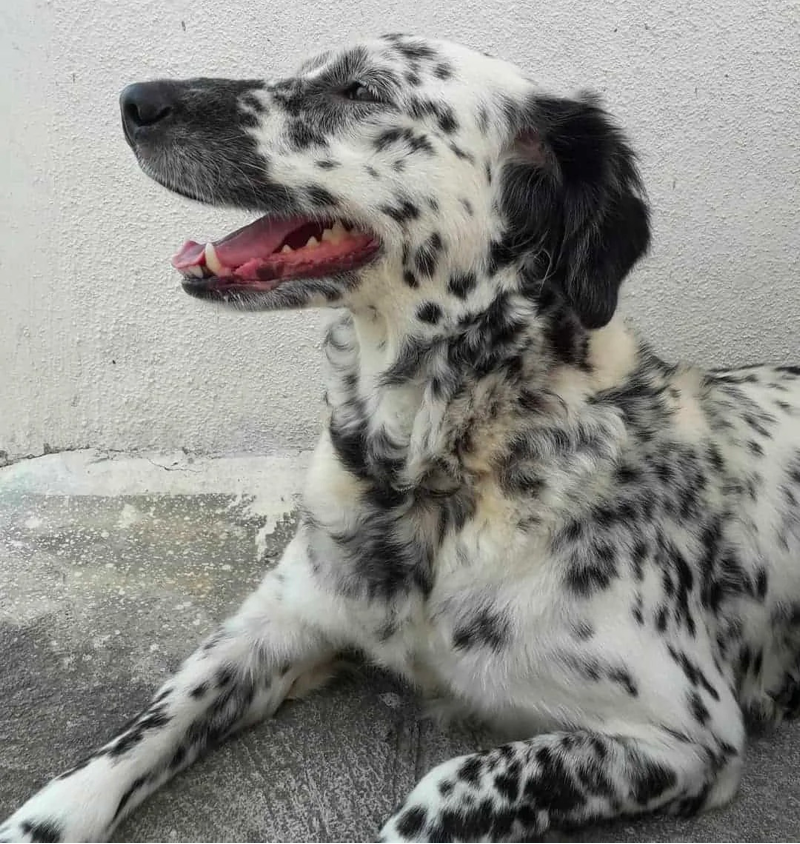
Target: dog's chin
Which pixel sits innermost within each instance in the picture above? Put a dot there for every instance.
(325, 291)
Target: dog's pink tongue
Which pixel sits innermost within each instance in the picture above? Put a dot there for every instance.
(258, 240)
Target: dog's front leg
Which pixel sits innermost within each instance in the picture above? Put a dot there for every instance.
(241, 674)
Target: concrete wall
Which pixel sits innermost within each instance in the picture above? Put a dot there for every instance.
(99, 347)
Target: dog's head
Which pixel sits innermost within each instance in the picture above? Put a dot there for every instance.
(400, 171)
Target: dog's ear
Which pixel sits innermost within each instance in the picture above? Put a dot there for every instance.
(572, 194)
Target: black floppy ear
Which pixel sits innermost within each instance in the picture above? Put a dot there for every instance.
(572, 191)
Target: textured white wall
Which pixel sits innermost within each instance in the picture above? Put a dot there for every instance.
(99, 347)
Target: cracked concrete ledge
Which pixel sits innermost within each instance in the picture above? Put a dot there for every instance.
(112, 567)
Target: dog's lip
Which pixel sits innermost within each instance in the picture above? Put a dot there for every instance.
(272, 250)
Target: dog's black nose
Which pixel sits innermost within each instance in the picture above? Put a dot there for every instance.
(145, 104)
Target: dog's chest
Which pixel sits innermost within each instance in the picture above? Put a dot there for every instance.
(438, 590)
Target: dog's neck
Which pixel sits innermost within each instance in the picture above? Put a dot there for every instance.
(406, 394)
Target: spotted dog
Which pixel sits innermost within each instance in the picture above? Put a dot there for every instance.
(515, 504)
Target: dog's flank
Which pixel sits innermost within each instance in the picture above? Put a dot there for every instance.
(515, 502)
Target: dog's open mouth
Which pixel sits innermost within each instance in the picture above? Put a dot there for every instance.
(273, 250)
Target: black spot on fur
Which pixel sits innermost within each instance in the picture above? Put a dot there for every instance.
(460, 153)
(429, 312)
(42, 830)
(135, 786)
(462, 284)
(412, 822)
(404, 211)
(199, 690)
(624, 679)
(409, 138)
(427, 256)
(470, 771)
(485, 628)
(649, 779)
(698, 709)
(443, 70)
(320, 196)
(410, 279)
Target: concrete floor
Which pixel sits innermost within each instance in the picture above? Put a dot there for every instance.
(111, 569)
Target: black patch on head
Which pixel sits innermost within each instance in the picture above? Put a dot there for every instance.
(467, 206)
(442, 113)
(403, 136)
(414, 50)
(573, 194)
(328, 164)
(429, 312)
(372, 172)
(318, 195)
(203, 149)
(410, 279)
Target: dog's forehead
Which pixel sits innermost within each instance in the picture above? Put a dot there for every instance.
(419, 60)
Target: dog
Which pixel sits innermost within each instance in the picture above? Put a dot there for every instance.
(515, 503)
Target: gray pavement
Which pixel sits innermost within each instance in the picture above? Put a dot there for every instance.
(110, 571)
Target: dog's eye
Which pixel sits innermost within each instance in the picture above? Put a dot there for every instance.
(360, 93)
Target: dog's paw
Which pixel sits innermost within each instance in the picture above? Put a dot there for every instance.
(424, 815)
(18, 828)
(71, 808)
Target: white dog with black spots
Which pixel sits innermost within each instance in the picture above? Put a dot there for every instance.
(515, 503)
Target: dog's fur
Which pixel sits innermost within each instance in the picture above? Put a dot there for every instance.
(515, 502)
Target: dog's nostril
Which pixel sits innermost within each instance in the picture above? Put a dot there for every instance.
(146, 115)
(146, 103)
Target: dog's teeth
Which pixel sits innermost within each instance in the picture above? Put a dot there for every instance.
(287, 248)
(339, 231)
(212, 262)
(312, 243)
(197, 272)
(327, 236)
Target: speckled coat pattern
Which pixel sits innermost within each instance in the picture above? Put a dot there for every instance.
(516, 504)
